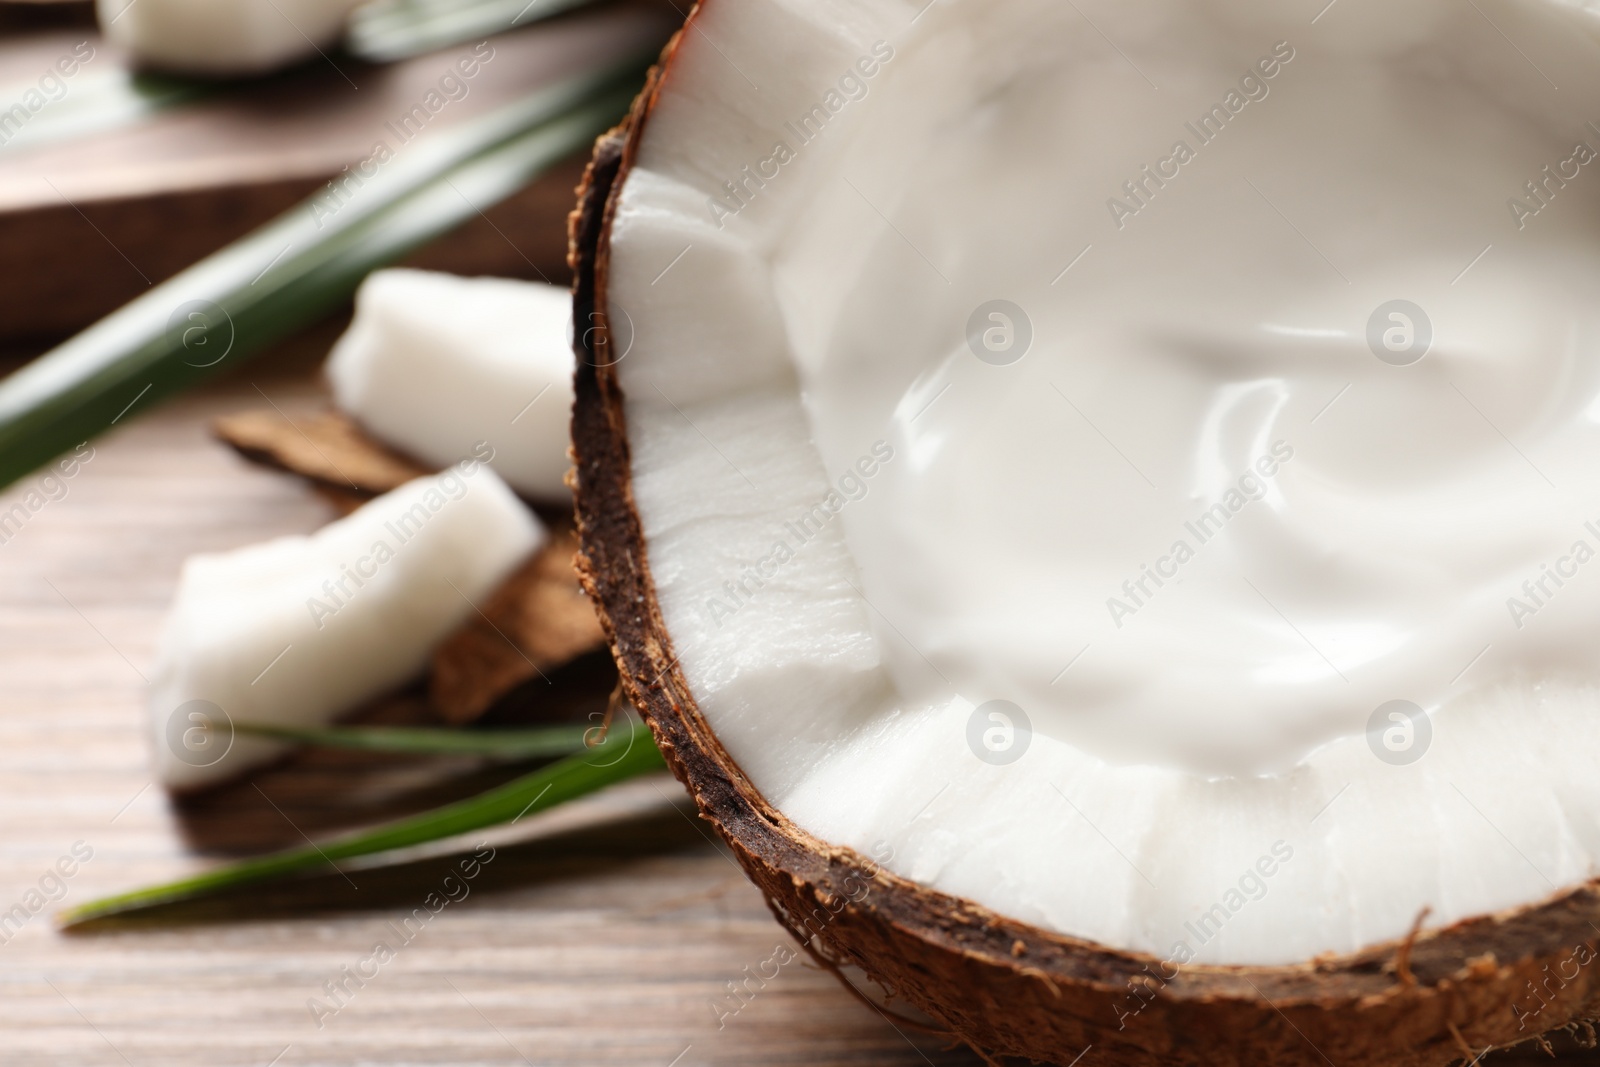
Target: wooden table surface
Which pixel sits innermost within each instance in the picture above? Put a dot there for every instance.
(605, 933)
(602, 935)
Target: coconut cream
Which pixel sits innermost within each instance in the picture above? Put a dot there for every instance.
(1280, 406)
(1241, 370)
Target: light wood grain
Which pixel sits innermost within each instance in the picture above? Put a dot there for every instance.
(600, 936)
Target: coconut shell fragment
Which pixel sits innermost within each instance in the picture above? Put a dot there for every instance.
(538, 621)
(328, 448)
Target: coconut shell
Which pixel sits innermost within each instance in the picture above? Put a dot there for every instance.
(327, 448)
(537, 621)
(1002, 986)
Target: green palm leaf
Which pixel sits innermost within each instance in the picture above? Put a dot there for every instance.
(387, 30)
(541, 742)
(293, 270)
(628, 751)
(101, 100)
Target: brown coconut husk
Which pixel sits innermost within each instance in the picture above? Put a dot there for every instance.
(327, 448)
(537, 621)
(1002, 986)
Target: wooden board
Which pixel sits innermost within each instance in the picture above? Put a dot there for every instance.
(18, 16)
(89, 223)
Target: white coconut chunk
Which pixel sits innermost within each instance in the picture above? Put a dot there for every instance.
(300, 630)
(223, 37)
(755, 578)
(436, 365)
(666, 250)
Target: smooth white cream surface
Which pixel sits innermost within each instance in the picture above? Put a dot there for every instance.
(1210, 348)
(1208, 522)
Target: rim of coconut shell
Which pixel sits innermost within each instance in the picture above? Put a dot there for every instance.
(1002, 986)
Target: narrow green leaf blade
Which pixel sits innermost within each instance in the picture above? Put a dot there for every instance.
(627, 752)
(98, 100)
(544, 741)
(387, 30)
(293, 270)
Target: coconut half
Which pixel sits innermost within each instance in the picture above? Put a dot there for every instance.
(832, 240)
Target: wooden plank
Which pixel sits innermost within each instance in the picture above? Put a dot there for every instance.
(89, 223)
(22, 16)
(601, 935)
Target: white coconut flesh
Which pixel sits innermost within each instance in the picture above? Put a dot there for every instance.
(223, 37)
(1198, 780)
(441, 367)
(300, 630)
